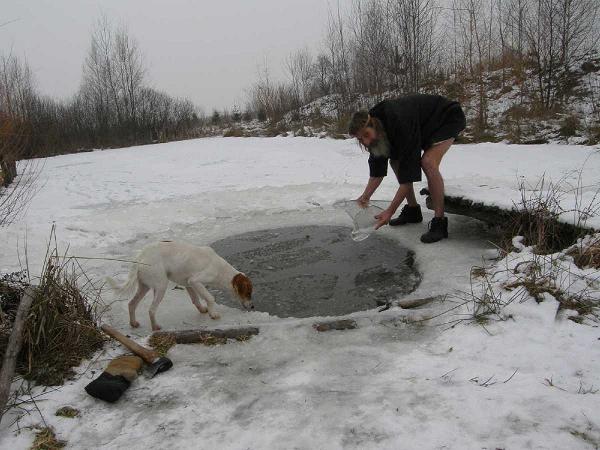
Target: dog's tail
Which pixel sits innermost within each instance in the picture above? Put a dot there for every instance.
(129, 285)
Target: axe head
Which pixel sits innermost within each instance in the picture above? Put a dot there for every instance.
(162, 364)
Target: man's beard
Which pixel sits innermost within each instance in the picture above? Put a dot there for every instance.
(380, 147)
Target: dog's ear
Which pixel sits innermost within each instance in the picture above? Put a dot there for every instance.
(242, 286)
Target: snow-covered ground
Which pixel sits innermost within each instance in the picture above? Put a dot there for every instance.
(396, 382)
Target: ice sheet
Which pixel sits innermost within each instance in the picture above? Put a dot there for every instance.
(363, 217)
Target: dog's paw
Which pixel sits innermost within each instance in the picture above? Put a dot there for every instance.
(203, 309)
(156, 328)
(135, 324)
(214, 315)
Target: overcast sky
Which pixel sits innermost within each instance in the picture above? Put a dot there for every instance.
(207, 51)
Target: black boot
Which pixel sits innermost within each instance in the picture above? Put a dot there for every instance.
(409, 214)
(438, 230)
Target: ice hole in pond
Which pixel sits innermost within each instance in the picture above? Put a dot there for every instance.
(318, 270)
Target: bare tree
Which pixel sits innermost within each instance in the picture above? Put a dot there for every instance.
(16, 94)
(129, 72)
(560, 35)
(263, 94)
(16, 87)
(322, 76)
(337, 46)
(370, 47)
(113, 76)
(300, 70)
(415, 30)
(475, 29)
(512, 20)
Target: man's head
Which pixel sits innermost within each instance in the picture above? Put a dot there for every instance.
(362, 127)
(369, 133)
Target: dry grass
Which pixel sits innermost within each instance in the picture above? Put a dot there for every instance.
(478, 272)
(234, 132)
(588, 257)
(162, 343)
(67, 411)
(61, 328)
(540, 278)
(275, 129)
(45, 439)
(537, 286)
(212, 340)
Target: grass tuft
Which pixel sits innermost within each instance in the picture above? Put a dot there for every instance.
(587, 256)
(162, 343)
(45, 439)
(62, 325)
(67, 411)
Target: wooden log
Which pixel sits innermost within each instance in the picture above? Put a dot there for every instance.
(410, 303)
(196, 336)
(342, 324)
(14, 347)
(416, 302)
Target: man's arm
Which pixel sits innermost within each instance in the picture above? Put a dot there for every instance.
(386, 216)
(372, 185)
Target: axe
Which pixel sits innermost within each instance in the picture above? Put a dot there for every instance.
(156, 362)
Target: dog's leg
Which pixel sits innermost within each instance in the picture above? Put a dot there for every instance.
(133, 303)
(196, 300)
(159, 293)
(210, 300)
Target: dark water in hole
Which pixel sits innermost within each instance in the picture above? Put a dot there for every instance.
(318, 270)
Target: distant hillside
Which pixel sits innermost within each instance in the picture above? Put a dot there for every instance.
(507, 110)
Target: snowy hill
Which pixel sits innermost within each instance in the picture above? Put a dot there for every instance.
(511, 111)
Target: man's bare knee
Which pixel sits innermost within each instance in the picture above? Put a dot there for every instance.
(428, 164)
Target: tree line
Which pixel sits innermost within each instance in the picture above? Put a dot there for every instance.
(376, 47)
(114, 105)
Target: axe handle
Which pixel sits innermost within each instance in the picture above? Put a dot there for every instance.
(145, 353)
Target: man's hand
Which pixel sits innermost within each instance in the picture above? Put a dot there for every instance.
(372, 185)
(383, 218)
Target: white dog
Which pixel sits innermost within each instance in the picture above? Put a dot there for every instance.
(188, 266)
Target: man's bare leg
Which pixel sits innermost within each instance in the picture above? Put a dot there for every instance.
(430, 162)
(410, 197)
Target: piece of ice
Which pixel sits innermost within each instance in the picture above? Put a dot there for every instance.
(363, 218)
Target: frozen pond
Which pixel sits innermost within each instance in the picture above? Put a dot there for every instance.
(319, 270)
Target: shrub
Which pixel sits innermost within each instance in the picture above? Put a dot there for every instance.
(594, 134)
(261, 115)
(536, 218)
(569, 126)
(234, 132)
(513, 123)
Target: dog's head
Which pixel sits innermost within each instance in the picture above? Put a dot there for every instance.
(242, 286)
